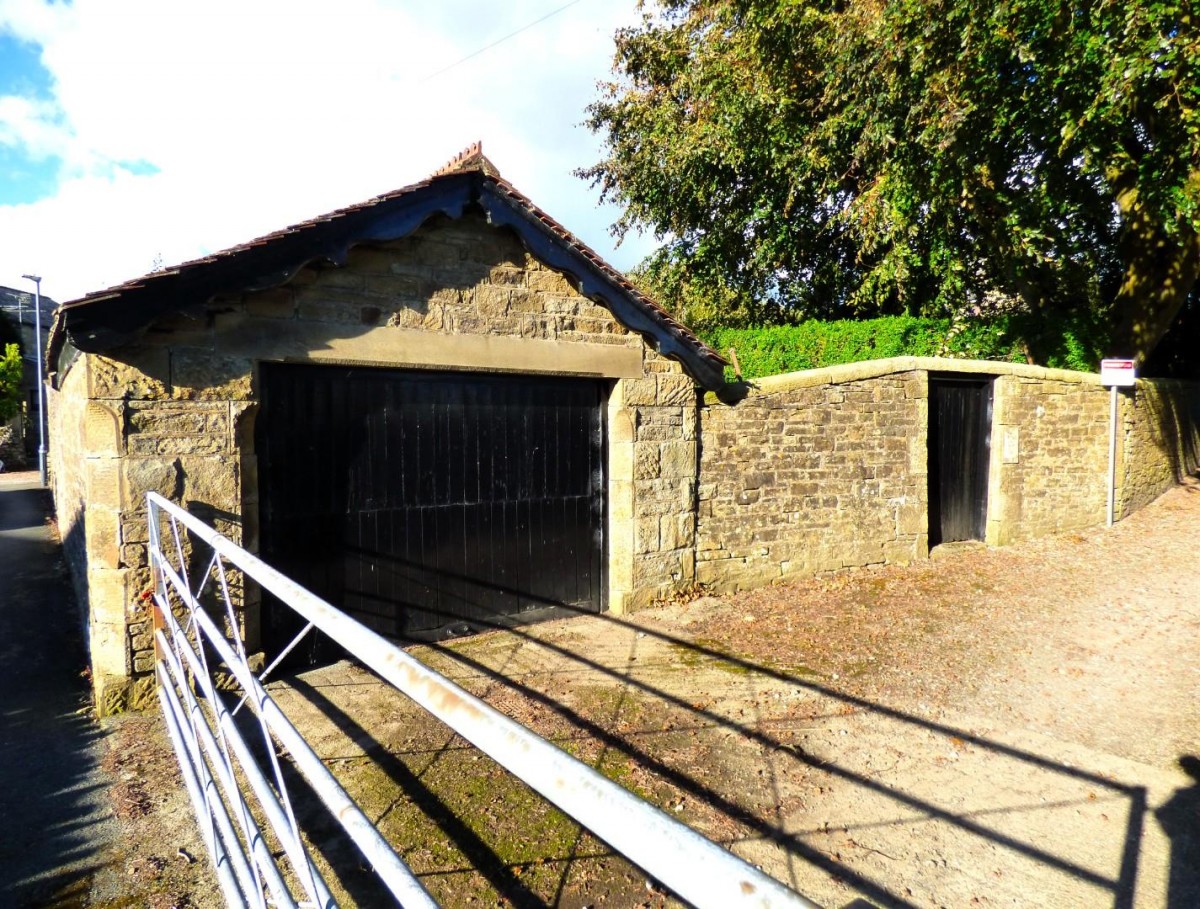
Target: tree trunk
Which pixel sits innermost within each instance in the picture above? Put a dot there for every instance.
(1160, 273)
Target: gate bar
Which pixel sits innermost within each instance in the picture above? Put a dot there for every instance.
(390, 868)
(173, 671)
(317, 890)
(216, 848)
(687, 863)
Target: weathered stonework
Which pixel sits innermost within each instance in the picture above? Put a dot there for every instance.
(174, 412)
(1161, 445)
(85, 468)
(1050, 451)
(815, 471)
(812, 478)
(1049, 458)
(12, 444)
(827, 469)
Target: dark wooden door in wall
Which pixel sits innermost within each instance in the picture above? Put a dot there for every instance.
(960, 419)
(428, 504)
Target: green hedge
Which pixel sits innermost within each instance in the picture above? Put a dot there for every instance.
(811, 345)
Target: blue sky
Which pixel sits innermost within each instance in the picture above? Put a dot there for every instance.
(24, 177)
(136, 131)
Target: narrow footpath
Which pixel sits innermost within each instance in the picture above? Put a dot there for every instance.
(56, 826)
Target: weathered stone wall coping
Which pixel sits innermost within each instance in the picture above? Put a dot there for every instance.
(873, 369)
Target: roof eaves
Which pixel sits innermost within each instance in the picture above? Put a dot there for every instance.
(115, 315)
(602, 282)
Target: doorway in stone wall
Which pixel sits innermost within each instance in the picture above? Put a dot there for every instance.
(960, 421)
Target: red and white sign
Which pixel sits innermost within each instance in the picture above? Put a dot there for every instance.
(1117, 373)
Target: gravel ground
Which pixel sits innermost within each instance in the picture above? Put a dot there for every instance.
(1009, 727)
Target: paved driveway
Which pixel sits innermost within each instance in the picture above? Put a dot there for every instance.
(1014, 727)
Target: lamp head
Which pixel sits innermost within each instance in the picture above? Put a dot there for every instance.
(36, 279)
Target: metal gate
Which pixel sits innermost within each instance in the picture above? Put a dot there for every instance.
(233, 767)
(960, 420)
(426, 504)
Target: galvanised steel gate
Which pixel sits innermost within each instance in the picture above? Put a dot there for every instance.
(239, 789)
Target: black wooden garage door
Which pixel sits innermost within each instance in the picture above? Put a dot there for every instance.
(426, 504)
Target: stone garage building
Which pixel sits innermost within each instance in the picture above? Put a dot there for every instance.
(441, 411)
(437, 408)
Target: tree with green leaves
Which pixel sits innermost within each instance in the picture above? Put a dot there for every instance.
(10, 382)
(10, 368)
(845, 158)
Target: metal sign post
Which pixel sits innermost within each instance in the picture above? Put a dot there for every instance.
(1115, 374)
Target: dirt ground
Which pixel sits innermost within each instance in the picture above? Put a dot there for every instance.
(992, 727)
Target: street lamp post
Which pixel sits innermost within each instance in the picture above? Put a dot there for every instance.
(37, 344)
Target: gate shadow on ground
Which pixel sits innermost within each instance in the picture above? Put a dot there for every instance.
(688, 784)
(481, 855)
(1120, 887)
(507, 883)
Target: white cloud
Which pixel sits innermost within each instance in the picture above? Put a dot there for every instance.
(257, 113)
(32, 126)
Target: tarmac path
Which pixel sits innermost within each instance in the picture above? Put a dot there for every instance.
(55, 821)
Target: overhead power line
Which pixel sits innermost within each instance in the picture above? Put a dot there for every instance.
(499, 41)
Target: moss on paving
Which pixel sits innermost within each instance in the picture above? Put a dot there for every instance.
(473, 832)
(713, 654)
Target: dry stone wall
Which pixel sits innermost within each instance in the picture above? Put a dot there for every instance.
(795, 480)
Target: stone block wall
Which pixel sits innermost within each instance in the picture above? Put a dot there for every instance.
(175, 411)
(65, 409)
(1049, 456)
(85, 476)
(810, 473)
(1160, 420)
(450, 278)
(828, 469)
(662, 445)
(12, 444)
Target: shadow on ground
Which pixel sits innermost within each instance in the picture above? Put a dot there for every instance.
(1180, 818)
(843, 795)
(56, 821)
(790, 773)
